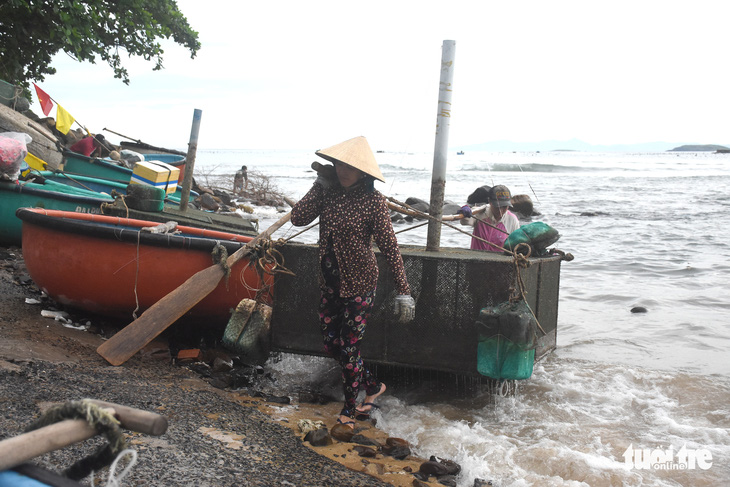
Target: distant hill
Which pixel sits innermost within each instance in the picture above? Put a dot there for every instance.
(575, 145)
(700, 148)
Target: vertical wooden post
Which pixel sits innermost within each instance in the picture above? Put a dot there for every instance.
(443, 122)
(190, 160)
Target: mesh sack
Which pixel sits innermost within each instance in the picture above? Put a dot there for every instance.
(248, 330)
(507, 341)
(538, 235)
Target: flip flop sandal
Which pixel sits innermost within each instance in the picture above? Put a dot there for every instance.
(351, 424)
(365, 415)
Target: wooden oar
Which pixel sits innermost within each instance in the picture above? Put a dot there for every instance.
(130, 339)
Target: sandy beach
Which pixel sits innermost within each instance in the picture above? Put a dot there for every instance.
(215, 437)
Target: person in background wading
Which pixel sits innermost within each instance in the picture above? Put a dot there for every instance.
(351, 214)
(240, 180)
(496, 215)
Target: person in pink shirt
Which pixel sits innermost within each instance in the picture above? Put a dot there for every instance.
(494, 224)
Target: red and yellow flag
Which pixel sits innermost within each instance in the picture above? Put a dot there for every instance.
(44, 99)
(64, 120)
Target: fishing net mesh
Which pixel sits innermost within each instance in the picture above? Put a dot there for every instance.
(450, 287)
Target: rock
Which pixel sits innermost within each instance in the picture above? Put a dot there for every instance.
(320, 437)
(221, 381)
(396, 217)
(452, 468)
(200, 368)
(224, 197)
(419, 483)
(398, 452)
(242, 377)
(418, 204)
(222, 365)
(522, 204)
(365, 451)
(447, 480)
(439, 467)
(397, 448)
(24, 279)
(374, 469)
(342, 432)
(434, 468)
(480, 195)
(392, 441)
(450, 209)
(482, 483)
(208, 202)
(639, 309)
(307, 425)
(364, 440)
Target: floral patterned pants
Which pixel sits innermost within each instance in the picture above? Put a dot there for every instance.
(343, 322)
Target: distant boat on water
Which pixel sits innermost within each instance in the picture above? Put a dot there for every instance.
(460, 153)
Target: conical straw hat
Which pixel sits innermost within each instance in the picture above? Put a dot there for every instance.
(356, 153)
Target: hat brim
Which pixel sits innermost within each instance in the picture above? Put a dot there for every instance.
(502, 203)
(355, 153)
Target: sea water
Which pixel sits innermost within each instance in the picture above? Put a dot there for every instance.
(627, 398)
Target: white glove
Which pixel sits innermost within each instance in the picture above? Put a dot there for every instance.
(405, 308)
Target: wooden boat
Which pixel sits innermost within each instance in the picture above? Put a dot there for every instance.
(192, 217)
(101, 185)
(81, 165)
(143, 148)
(50, 195)
(108, 265)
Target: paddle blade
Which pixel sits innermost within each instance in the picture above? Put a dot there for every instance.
(130, 339)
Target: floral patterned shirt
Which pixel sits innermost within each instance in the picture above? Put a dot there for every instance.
(349, 219)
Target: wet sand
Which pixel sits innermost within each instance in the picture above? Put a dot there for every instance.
(215, 437)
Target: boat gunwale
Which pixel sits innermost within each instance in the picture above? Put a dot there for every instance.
(73, 179)
(107, 227)
(108, 163)
(50, 193)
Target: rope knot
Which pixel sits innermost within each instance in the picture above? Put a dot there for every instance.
(98, 418)
(219, 254)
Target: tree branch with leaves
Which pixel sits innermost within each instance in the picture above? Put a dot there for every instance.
(33, 31)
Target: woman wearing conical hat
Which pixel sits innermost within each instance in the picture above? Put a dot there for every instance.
(352, 214)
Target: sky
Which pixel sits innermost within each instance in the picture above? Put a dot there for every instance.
(308, 75)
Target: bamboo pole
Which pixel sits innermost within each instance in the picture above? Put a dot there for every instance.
(443, 122)
(190, 160)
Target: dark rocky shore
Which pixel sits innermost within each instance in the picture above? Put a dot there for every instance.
(42, 362)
